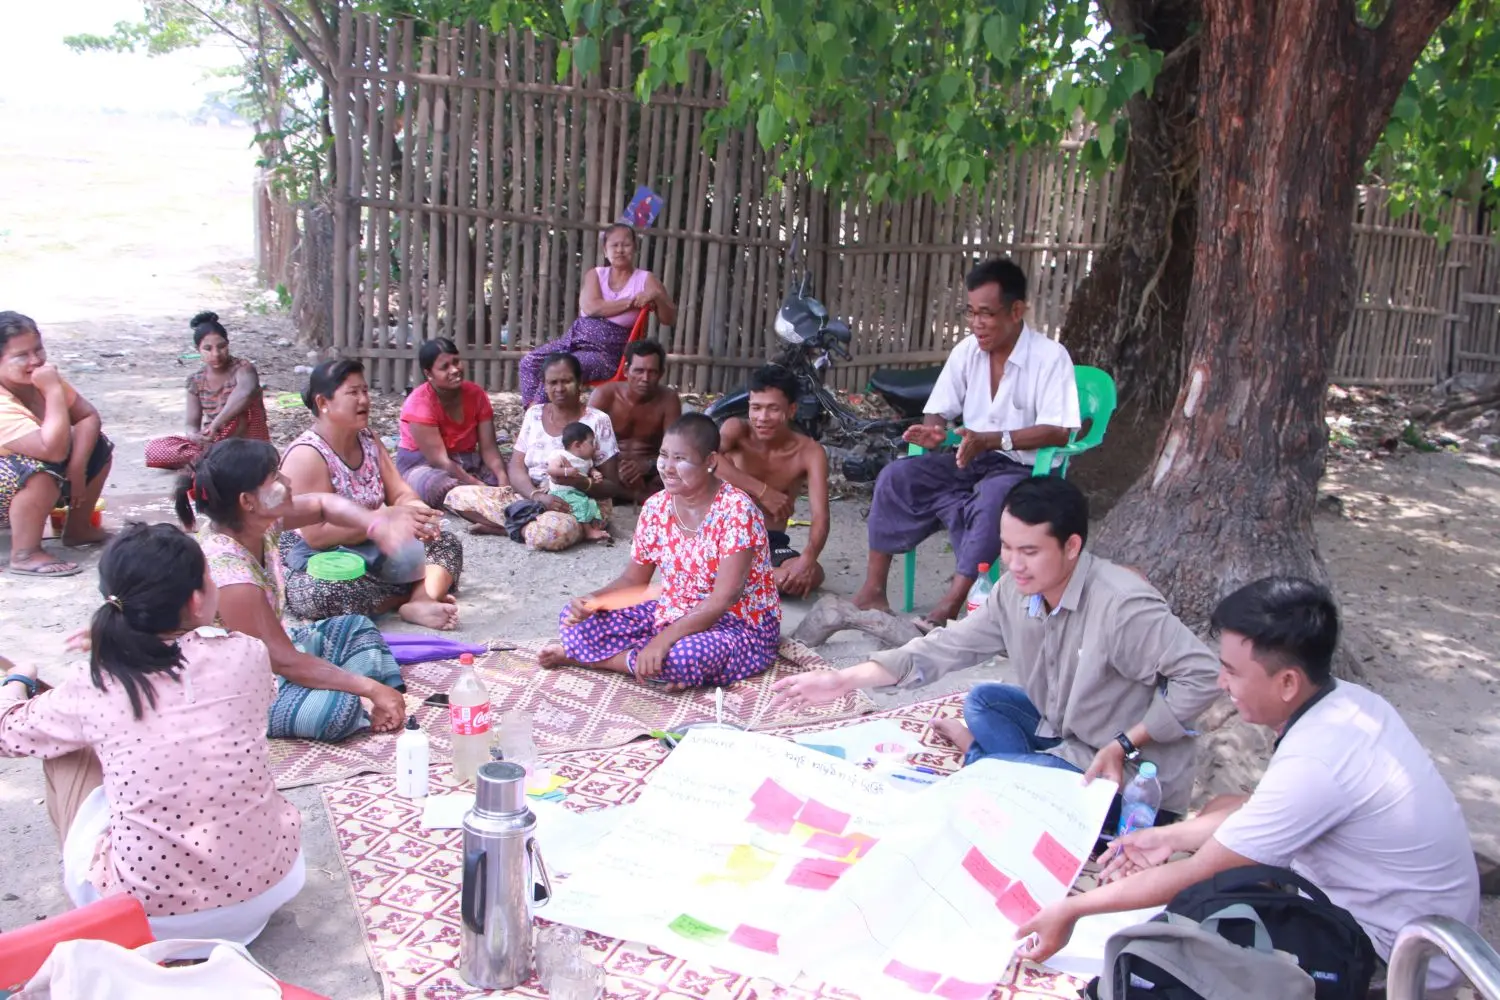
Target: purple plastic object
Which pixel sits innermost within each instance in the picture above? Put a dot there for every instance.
(409, 647)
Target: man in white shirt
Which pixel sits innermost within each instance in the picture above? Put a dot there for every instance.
(1351, 800)
(1014, 390)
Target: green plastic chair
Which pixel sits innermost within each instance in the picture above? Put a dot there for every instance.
(1096, 404)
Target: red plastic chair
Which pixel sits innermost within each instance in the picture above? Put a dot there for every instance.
(637, 332)
(119, 919)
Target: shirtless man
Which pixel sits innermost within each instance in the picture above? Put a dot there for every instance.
(773, 462)
(641, 409)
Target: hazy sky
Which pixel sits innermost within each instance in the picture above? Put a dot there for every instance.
(39, 73)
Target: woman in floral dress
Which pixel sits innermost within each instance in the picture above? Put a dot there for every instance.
(717, 619)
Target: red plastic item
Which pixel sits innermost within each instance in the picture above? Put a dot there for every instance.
(637, 332)
(119, 919)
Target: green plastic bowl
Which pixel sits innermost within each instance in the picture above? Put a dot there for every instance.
(336, 566)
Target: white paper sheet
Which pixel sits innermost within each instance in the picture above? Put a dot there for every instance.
(757, 855)
(879, 739)
(1084, 955)
(446, 812)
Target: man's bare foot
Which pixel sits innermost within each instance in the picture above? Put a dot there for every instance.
(84, 534)
(554, 655)
(872, 599)
(440, 615)
(943, 612)
(954, 732)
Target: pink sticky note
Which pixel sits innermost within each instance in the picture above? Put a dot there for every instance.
(986, 874)
(808, 878)
(957, 989)
(862, 843)
(773, 797)
(755, 939)
(825, 866)
(1056, 859)
(838, 847)
(1017, 904)
(771, 822)
(917, 979)
(820, 817)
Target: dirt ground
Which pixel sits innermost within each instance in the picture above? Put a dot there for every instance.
(116, 232)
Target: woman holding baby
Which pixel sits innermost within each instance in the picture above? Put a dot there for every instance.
(540, 466)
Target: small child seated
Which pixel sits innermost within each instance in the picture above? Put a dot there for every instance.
(576, 458)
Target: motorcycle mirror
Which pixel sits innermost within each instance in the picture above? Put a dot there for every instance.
(840, 330)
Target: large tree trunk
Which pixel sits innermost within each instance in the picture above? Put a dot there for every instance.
(1294, 96)
(1127, 315)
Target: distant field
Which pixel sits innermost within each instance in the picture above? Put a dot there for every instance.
(73, 196)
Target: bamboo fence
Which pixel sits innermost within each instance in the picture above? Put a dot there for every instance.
(472, 188)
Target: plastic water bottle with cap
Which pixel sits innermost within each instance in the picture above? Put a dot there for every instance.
(1140, 800)
(413, 756)
(980, 592)
(469, 710)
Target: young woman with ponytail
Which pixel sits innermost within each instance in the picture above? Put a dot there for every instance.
(335, 676)
(158, 771)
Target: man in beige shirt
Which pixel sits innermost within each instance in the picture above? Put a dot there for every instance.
(1108, 677)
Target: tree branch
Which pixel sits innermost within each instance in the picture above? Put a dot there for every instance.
(299, 34)
(224, 28)
(1389, 52)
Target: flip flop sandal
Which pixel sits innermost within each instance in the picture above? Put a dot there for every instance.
(48, 570)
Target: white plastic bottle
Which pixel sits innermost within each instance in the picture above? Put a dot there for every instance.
(413, 756)
(980, 592)
(1140, 800)
(469, 710)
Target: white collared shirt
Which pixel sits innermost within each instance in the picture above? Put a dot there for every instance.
(1037, 388)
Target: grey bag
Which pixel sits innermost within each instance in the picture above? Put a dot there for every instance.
(1198, 962)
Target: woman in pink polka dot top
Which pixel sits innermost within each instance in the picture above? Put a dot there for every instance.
(158, 770)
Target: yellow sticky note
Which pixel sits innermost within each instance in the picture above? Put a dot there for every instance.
(544, 783)
(745, 864)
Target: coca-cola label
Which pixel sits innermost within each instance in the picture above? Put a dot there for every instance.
(470, 720)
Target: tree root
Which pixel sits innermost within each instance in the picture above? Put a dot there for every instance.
(835, 614)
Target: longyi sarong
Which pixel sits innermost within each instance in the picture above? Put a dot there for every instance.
(917, 496)
(433, 484)
(598, 344)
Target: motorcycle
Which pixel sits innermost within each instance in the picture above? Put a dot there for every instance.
(811, 339)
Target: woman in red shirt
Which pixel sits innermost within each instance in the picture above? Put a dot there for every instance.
(447, 429)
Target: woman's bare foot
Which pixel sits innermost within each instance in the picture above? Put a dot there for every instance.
(955, 732)
(872, 599)
(555, 655)
(84, 534)
(597, 534)
(440, 615)
(486, 529)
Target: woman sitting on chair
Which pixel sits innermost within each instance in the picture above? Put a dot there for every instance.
(609, 303)
(51, 453)
(718, 617)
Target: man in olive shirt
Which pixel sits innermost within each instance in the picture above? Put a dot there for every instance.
(1108, 677)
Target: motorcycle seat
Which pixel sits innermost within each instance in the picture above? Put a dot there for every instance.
(910, 386)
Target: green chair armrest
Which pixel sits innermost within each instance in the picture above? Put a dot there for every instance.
(1047, 458)
(951, 441)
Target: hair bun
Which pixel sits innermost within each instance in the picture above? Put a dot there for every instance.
(201, 318)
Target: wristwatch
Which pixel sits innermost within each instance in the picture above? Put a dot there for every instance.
(1132, 752)
(1006, 444)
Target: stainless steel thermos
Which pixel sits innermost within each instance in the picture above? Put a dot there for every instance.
(503, 880)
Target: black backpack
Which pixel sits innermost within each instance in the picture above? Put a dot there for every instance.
(1244, 906)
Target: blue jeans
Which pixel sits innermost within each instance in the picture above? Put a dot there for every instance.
(1003, 721)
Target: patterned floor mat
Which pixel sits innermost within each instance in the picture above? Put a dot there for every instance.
(570, 709)
(406, 885)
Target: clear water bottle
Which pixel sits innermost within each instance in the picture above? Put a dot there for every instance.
(516, 744)
(980, 592)
(469, 711)
(1140, 800)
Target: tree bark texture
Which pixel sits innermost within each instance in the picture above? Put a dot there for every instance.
(1127, 316)
(1294, 96)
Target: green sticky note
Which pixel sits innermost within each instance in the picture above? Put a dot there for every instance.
(696, 930)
